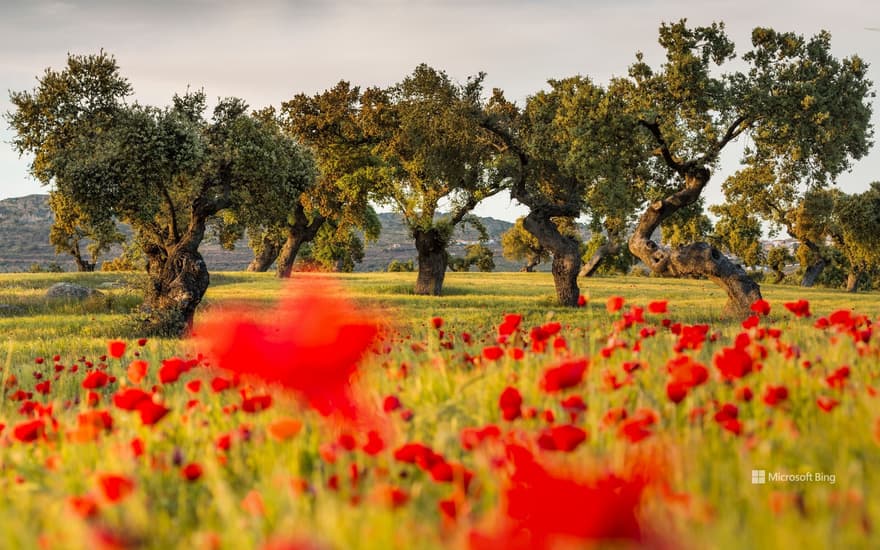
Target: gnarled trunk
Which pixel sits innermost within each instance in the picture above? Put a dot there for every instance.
(433, 259)
(697, 259)
(565, 250)
(608, 249)
(268, 251)
(178, 279)
(301, 232)
(531, 263)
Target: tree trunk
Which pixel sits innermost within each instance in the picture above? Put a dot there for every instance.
(565, 250)
(608, 249)
(815, 268)
(301, 232)
(852, 280)
(697, 259)
(531, 263)
(433, 259)
(780, 275)
(82, 265)
(269, 251)
(178, 279)
(811, 275)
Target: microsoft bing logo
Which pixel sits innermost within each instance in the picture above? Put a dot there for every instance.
(759, 477)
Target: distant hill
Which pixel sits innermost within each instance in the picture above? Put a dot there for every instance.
(25, 223)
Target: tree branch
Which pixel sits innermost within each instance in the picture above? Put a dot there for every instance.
(654, 128)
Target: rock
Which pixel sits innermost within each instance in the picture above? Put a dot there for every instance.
(112, 285)
(70, 291)
(10, 309)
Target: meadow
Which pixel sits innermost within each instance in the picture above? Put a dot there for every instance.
(354, 414)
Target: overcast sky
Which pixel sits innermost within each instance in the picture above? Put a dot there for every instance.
(266, 51)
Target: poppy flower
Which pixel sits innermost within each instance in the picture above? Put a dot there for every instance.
(510, 324)
(310, 344)
(129, 398)
(191, 472)
(137, 370)
(284, 428)
(800, 308)
(658, 306)
(256, 403)
(564, 375)
(29, 431)
(761, 307)
(116, 348)
(582, 300)
(733, 363)
(775, 395)
(541, 508)
(115, 487)
(510, 403)
(85, 506)
(391, 403)
(561, 438)
(492, 353)
(95, 379)
(151, 412)
(374, 444)
(614, 304)
(827, 404)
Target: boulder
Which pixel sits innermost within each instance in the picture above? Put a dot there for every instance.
(70, 291)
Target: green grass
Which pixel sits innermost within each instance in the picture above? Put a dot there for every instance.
(445, 394)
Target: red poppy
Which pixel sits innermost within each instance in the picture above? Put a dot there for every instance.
(391, 403)
(826, 403)
(561, 438)
(116, 348)
(311, 344)
(541, 509)
(800, 308)
(191, 471)
(29, 431)
(151, 412)
(95, 379)
(129, 399)
(115, 487)
(137, 370)
(564, 375)
(256, 403)
(85, 506)
(582, 300)
(437, 322)
(658, 306)
(614, 304)
(760, 306)
(492, 353)
(510, 403)
(733, 363)
(775, 395)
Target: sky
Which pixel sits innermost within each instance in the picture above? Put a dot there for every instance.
(267, 51)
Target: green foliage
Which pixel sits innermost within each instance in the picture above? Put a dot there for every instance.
(857, 219)
(72, 225)
(687, 225)
(396, 266)
(738, 232)
(618, 263)
(517, 244)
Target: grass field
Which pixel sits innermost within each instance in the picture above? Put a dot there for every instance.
(646, 434)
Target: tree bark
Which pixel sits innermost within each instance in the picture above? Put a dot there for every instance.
(780, 275)
(433, 259)
(531, 263)
(269, 251)
(82, 265)
(608, 249)
(302, 231)
(852, 280)
(178, 279)
(696, 259)
(566, 253)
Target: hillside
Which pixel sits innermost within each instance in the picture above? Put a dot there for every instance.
(25, 223)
